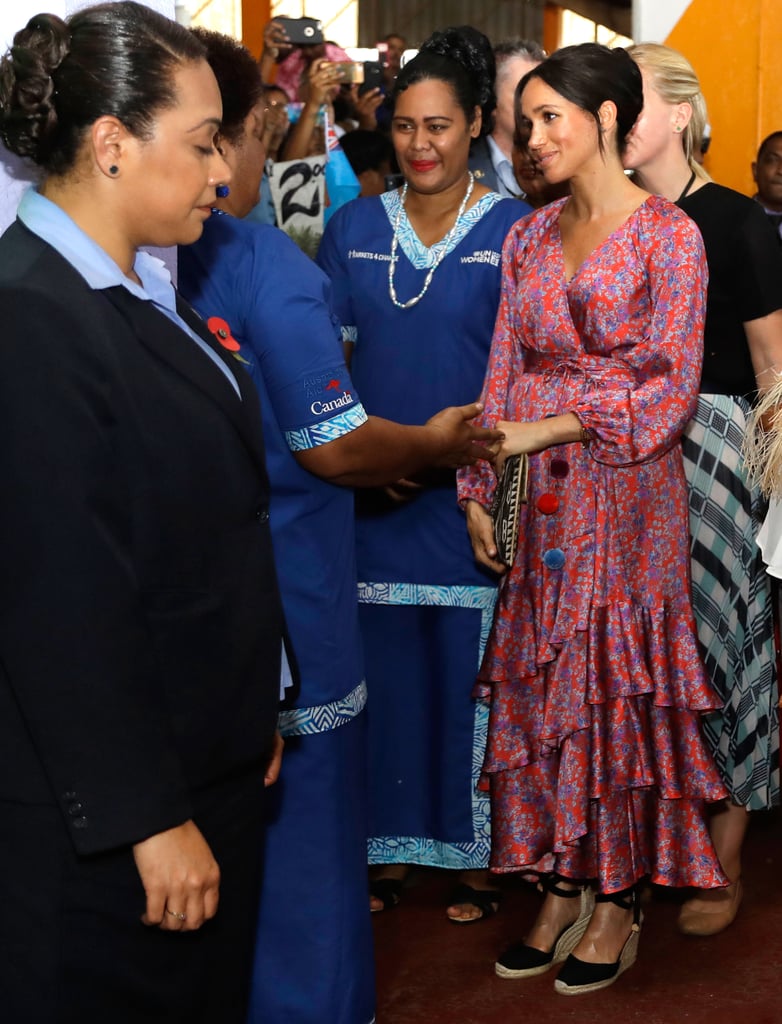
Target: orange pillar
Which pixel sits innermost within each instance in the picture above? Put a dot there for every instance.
(735, 49)
(255, 15)
(552, 27)
(769, 84)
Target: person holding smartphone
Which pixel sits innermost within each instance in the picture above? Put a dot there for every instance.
(288, 54)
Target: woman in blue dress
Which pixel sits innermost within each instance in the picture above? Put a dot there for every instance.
(269, 304)
(416, 277)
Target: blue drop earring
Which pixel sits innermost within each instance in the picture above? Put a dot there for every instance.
(222, 191)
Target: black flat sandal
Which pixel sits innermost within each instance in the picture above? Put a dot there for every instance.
(388, 891)
(486, 900)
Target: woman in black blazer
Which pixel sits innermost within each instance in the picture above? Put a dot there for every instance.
(140, 625)
(141, 633)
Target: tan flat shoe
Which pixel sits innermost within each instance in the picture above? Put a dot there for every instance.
(695, 920)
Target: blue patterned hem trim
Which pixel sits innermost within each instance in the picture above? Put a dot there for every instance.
(418, 849)
(482, 598)
(328, 430)
(433, 852)
(323, 717)
(419, 255)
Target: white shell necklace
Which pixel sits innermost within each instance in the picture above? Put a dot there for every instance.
(440, 253)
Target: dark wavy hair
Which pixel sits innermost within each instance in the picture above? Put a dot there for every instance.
(58, 77)
(239, 76)
(462, 57)
(589, 74)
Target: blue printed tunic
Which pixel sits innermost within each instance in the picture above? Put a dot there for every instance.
(276, 304)
(425, 604)
(251, 283)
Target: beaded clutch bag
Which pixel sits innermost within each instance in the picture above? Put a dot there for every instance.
(509, 496)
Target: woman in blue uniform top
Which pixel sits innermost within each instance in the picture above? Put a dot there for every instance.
(416, 276)
(269, 304)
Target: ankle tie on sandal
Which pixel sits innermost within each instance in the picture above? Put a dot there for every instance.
(523, 961)
(578, 977)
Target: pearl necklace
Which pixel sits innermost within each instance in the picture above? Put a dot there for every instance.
(438, 258)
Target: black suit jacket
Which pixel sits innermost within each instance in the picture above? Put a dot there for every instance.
(140, 622)
(481, 163)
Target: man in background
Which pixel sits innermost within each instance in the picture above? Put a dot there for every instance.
(491, 156)
(767, 172)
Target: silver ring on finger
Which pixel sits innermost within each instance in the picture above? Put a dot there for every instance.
(179, 917)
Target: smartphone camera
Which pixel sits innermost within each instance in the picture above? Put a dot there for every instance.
(352, 72)
(372, 76)
(302, 31)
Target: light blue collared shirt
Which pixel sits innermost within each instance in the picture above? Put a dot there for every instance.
(53, 225)
(506, 182)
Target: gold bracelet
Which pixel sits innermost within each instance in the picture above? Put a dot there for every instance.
(586, 437)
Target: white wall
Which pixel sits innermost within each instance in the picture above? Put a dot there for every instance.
(654, 19)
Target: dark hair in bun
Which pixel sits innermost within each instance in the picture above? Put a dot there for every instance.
(588, 75)
(59, 77)
(238, 75)
(463, 58)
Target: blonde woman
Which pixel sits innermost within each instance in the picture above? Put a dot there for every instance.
(743, 347)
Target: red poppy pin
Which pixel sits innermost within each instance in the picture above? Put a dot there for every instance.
(222, 332)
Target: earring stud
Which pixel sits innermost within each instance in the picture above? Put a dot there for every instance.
(113, 169)
(222, 191)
